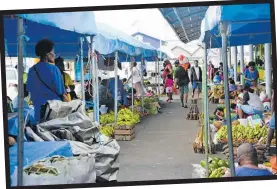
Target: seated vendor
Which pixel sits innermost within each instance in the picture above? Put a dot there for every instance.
(251, 103)
(121, 93)
(219, 114)
(217, 78)
(232, 85)
(247, 159)
(105, 97)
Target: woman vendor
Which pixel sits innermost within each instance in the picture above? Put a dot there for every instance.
(251, 75)
(251, 103)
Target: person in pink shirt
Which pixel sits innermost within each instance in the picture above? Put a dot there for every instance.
(169, 87)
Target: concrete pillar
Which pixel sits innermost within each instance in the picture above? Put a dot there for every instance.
(241, 58)
(268, 66)
(234, 61)
(251, 53)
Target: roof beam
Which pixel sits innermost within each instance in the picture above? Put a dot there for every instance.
(197, 13)
(177, 15)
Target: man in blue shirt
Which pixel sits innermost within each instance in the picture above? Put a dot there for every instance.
(248, 162)
(45, 81)
(251, 75)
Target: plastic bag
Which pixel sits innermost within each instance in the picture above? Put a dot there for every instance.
(74, 170)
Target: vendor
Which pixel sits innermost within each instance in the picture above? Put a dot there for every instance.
(251, 103)
(68, 83)
(219, 114)
(136, 78)
(271, 129)
(232, 85)
(44, 79)
(105, 97)
(217, 79)
(247, 159)
(251, 75)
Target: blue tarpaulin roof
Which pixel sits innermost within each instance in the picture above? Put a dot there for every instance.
(78, 22)
(185, 21)
(248, 24)
(110, 40)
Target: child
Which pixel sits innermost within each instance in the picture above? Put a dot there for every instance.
(169, 87)
(232, 85)
(217, 78)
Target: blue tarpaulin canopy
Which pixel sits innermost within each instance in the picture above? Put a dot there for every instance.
(110, 40)
(62, 28)
(247, 24)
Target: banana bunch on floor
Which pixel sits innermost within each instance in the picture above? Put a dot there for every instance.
(107, 118)
(107, 131)
(125, 117)
(243, 134)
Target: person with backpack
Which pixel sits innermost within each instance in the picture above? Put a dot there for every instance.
(182, 80)
(196, 79)
(45, 81)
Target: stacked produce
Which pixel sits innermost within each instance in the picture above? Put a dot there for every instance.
(261, 151)
(243, 134)
(107, 131)
(216, 94)
(198, 144)
(107, 118)
(217, 167)
(125, 117)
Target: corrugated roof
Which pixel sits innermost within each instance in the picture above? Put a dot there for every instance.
(185, 21)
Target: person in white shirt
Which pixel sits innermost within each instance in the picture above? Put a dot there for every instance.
(136, 78)
(251, 103)
(196, 79)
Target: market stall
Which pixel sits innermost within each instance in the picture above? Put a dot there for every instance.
(232, 25)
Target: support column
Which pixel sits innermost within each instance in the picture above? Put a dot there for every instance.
(205, 109)
(223, 30)
(82, 71)
(115, 87)
(251, 53)
(234, 61)
(20, 68)
(229, 58)
(268, 68)
(94, 82)
(241, 58)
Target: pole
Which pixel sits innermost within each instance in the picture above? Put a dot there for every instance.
(132, 90)
(156, 75)
(94, 80)
(20, 68)
(223, 31)
(229, 57)
(82, 70)
(142, 88)
(241, 55)
(115, 87)
(206, 112)
(234, 60)
(251, 53)
(268, 67)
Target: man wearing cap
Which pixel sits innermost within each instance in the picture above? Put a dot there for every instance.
(247, 159)
(182, 80)
(251, 103)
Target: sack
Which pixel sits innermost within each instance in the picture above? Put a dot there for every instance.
(61, 170)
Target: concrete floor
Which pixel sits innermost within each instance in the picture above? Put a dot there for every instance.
(162, 148)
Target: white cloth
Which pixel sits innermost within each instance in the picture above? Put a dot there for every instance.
(136, 75)
(197, 71)
(255, 102)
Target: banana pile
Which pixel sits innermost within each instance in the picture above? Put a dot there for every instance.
(217, 167)
(107, 118)
(107, 131)
(125, 117)
(243, 134)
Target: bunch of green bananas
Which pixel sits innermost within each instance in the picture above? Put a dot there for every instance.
(218, 173)
(126, 117)
(107, 131)
(243, 134)
(137, 102)
(107, 118)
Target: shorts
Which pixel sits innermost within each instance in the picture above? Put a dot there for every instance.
(272, 122)
(250, 110)
(169, 90)
(196, 85)
(184, 89)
